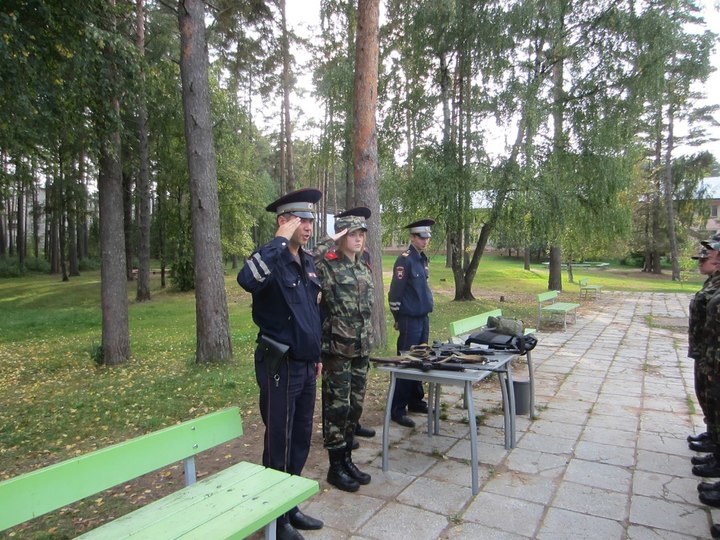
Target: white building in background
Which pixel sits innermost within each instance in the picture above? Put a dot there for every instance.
(713, 190)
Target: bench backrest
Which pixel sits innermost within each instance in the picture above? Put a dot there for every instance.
(547, 296)
(44, 490)
(583, 282)
(463, 326)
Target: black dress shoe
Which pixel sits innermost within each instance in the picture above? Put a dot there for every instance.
(702, 446)
(304, 522)
(715, 530)
(711, 498)
(287, 532)
(707, 486)
(708, 470)
(705, 436)
(404, 421)
(364, 432)
(701, 460)
(355, 444)
(419, 407)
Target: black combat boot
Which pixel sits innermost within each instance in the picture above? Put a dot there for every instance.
(711, 498)
(708, 470)
(702, 460)
(707, 486)
(337, 475)
(702, 446)
(363, 431)
(698, 438)
(361, 477)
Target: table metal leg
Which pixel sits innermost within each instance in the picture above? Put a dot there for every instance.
(473, 438)
(511, 398)
(430, 413)
(436, 408)
(386, 424)
(531, 376)
(506, 406)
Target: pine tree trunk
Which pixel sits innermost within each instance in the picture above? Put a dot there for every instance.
(113, 288)
(143, 186)
(365, 150)
(211, 311)
(287, 88)
(669, 202)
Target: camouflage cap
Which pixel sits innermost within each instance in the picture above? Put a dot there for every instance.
(702, 254)
(712, 243)
(351, 223)
(353, 219)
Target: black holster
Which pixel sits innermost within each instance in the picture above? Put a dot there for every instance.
(273, 353)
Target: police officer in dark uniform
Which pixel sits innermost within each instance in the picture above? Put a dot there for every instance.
(286, 296)
(411, 302)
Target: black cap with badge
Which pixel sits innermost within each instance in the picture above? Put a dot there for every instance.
(300, 203)
(421, 227)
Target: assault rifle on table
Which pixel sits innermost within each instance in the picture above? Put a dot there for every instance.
(455, 362)
(423, 364)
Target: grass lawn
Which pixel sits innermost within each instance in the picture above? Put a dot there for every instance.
(55, 402)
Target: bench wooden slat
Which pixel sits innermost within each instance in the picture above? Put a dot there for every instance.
(238, 501)
(561, 306)
(472, 323)
(255, 512)
(39, 492)
(176, 502)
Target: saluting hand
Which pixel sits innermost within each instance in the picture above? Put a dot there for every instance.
(339, 235)
(287, 227)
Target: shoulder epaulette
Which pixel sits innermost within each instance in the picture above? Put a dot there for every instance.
(406, 253)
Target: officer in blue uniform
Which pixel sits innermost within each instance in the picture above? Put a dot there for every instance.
(286, 296)
(411, 302)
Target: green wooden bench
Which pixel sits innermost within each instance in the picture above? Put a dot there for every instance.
(586, 288)
(464, 327)
(548, 305)
(232, 503)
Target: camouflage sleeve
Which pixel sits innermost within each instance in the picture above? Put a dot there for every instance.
(695, 327)
(322, 247)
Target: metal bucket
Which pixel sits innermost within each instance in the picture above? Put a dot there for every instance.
(521, 390)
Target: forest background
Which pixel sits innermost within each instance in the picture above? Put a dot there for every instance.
(139, 131)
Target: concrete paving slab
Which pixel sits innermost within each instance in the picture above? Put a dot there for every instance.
(505, 513)
(673, 516)
(436, 496)
(592, 501)
(663, 486)
(531, 487)
(561, 524)
(598, 475)
(402, 521)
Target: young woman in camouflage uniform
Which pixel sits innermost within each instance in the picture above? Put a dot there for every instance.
(346, 305)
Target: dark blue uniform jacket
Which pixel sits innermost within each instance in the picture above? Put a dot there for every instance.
(410, 293)
(285, 298)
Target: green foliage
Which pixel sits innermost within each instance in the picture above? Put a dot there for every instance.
(182, 272)
(10, 267)
(89, 265)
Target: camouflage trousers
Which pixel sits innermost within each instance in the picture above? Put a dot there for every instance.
(712, 402)
(702, 372)
(343, 392)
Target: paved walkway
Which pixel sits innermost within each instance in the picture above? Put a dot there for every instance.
(606, 456)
